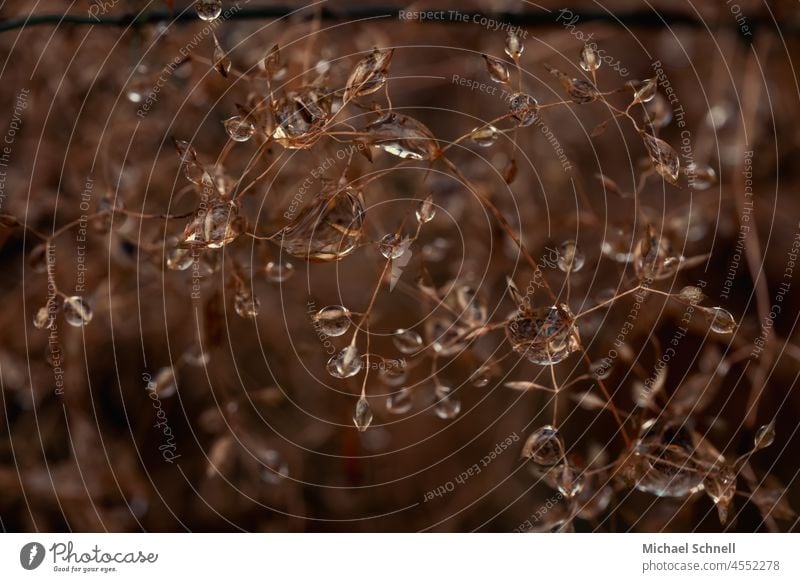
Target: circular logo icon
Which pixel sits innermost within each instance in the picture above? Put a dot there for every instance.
(31, 555)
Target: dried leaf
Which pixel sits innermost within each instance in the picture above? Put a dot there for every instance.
(588, 400)
(645, 392)
(510, 171)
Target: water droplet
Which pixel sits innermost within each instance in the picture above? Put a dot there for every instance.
(333, 320)
(328, 229)
(663, 462)
(700, 177)
(239, 129)
(570, 258)
(481, 377)
(246, 305)
(404, 137)
(692, 294)
(407, 341)
(276, 469)
(44, 318)
(399, 402)
(514, 46)
(164, 384)
(484, 136)
(221, 61)
(77, 311)
(590, 61)
(544, 447)
(545, 335)
(721, 320)
(195, 356)
(645, 91)
(214, 226)
(601, 369)
(765, 436)
(524, 109)
(178, 258)
(278, 272)
(208, 10)
(346, 363)
(426, 210)
(448, 405)
(392, 246)
(393, 375)
(720, 486)
(497, 69)
(362, 417)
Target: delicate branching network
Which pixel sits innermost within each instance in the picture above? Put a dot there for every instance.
(660, 452)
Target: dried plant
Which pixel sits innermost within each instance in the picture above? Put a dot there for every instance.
(478, 259)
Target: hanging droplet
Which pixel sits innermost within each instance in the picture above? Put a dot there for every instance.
(399, 402)
(195, 356)
(514, 46)
(484, 136)
(569, 482)
(221, 61)
(663, 463)
(645, 91)
(276, 469)
(481, 377)
(700, 177)
(393, 375)
(601, 369)
(590, 61)
(208, 10)
(448, 405)
(392, 246)
(346, 363)
(164, 384)
(362, 417)
(570, 258)
(328, 229)
(44, 318)
(545, 335)
(179, 258)
(720, 486)
(214, 225)
(246, 304)
(239, 129)
(278, 272)
(544, 447)
(765, 436)
(333, 320)
(497, 69)
(692, 294)
(524, 109)
(77, 311)
(426, 210)
(721, 320)
(407, 341)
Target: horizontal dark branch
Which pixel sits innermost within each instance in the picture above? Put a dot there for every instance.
(636, 19)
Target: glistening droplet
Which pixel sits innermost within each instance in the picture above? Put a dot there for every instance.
(333, 320)
(362, 417)
(77, 311)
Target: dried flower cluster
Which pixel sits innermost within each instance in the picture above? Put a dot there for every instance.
(336, 241)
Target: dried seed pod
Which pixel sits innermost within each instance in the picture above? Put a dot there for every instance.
(369, 75)
(664, 158)
(590, 60)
